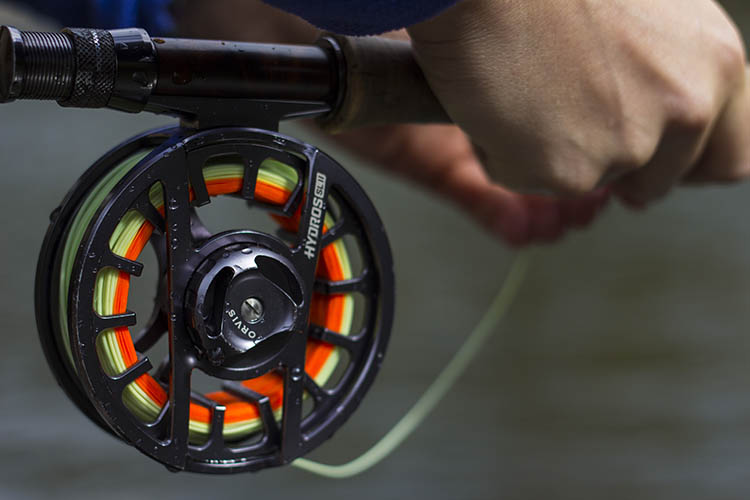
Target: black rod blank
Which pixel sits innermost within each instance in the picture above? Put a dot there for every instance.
(346, 82)
(35, 65)
(210, 68)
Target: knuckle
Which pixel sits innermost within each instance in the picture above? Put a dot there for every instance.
(693, 110)
(569, 175)
(733, 173)
(636, 148)
(633, 146)
(729, 52)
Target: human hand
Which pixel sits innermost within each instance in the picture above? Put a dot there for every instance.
(441, 158)
(568, 95)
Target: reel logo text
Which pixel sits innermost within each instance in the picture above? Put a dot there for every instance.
(318, 204)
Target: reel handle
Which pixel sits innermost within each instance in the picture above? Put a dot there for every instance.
(355, 81)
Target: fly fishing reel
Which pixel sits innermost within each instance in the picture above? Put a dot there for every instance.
(269, 318)
(288, 328)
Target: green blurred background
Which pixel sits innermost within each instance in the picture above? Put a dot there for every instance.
(621, 371)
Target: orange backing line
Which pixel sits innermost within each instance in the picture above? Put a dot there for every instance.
(324, 310)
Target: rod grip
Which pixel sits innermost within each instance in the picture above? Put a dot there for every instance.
(383, 85)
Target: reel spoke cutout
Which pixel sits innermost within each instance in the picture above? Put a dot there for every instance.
(273, 339)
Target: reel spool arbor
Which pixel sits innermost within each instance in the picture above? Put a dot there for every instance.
(291, 328)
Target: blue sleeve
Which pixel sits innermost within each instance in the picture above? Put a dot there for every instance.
(347, 17)
(152, 15)
(363, 17)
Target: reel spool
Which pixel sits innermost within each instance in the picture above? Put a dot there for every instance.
(289, 332)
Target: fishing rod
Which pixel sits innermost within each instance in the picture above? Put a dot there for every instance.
(290, 328)
(349, 82)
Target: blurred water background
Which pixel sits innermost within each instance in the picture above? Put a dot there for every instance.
(621, 372)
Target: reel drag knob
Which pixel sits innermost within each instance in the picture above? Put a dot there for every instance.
(235, 305)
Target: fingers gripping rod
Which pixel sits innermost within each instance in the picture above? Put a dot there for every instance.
(345, 82)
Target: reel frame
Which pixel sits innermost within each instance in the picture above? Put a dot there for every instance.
(177, 162)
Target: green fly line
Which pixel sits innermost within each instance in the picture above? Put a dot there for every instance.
(437, 389)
